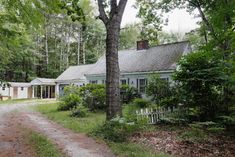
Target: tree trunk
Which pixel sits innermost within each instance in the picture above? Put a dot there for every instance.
(112, 24)
(112, 71)
(78, 49)
(81, 49)
(46, 45)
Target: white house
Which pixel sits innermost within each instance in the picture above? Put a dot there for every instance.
(16, 90)
(135, 66)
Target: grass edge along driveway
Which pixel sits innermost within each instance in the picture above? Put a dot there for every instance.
(87, 124)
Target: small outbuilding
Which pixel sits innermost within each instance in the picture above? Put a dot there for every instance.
(15, 90)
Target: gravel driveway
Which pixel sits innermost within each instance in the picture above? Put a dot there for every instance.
(12, 144)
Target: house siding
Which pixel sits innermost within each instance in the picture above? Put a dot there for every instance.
(131, 78)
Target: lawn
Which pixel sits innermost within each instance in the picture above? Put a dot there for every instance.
(88, 124)
(13, 101)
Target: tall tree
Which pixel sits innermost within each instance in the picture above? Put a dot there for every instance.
(151, 20)
(112, 22)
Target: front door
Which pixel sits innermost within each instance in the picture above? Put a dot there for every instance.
(15, 92)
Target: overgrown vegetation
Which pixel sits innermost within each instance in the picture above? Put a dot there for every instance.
(93, 96)
(70, 99)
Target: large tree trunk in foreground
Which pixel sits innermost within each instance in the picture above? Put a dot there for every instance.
(112, 24)
(112, 71)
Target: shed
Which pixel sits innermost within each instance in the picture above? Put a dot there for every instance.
(16, 90)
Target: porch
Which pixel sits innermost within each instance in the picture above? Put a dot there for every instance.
(43, 88)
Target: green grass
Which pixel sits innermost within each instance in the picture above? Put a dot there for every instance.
(13, 101)
(84, 125)
(133, 150)
(42, 146)
(88, 124)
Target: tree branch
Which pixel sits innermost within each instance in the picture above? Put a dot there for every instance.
(204, 19)
(102, 15)
(113, 9)
(121, 7)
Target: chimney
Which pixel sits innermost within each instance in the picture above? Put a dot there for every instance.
(142, 45)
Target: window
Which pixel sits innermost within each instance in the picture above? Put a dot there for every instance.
(103, 81)
(22, 88)
(123, 82)
(93, 81)
(3, 88)
(166, 79)
(142, 85)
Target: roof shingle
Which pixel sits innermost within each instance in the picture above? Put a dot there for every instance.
(74, 73)
(159, 58)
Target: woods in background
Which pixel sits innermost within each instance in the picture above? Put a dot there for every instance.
(41, 40)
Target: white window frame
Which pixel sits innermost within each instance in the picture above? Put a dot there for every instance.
(142, 87)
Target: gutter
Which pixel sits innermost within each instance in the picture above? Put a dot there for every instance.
(133, 73)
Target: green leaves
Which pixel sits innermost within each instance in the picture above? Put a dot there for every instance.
(201, 78)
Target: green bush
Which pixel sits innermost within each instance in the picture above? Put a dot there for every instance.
(117, 130)
(129, 112)
(80, 111)
(141, 103)
(158, 89)
(201, 80)
(93, 96)
(128, 94)
(70, 100)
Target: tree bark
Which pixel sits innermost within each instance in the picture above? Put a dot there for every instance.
(112, 24)
(112, 71)
(46, 44)
(81, 47)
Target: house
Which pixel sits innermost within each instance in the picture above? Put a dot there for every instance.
(43, 88)
(16, 90)
(73, 75)
(135, 66)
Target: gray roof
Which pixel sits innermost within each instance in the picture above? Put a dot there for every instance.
(19, 84)
(75, 73)
(159, 58)
(43, 81)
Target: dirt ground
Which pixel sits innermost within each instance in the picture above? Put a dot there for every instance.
(169, 142)
(13, 144)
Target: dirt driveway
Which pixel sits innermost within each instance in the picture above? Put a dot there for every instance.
(16, 116)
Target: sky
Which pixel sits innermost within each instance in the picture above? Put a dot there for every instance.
(179, 20)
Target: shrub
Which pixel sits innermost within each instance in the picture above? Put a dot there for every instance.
(158, 89)
(93, 96)
(80, 111)
(129, 112)
(201, 79)
(70, 100)
(141, 103)
(128, 94)
(228, 122)
(117, 130)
